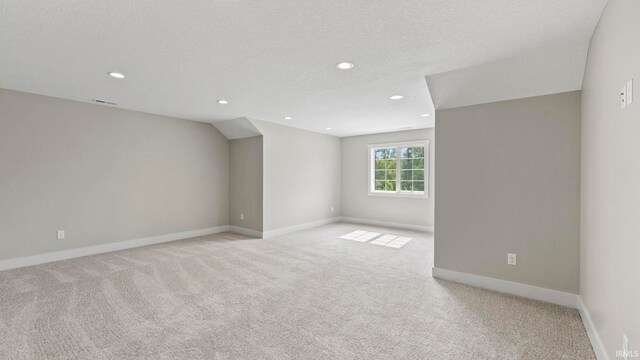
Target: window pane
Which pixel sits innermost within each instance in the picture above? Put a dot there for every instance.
(406, 186)
(391, 153)
(391, 175)
(411, 167)
(417, 151)
(384, 154)
(390, 186)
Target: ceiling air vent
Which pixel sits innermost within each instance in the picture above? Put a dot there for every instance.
(104, 102)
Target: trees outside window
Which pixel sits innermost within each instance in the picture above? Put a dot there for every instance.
(399, 169)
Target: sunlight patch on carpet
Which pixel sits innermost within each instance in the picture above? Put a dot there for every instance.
(392, 241)
(360, 235)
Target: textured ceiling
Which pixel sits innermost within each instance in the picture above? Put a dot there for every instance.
(277, 58)
(540, 72)
(239, 128)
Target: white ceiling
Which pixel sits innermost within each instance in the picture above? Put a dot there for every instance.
(277, 58)
(540, 72)
(239, 128)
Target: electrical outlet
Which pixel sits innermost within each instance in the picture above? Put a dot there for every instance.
(625, 347)
(241, 216)
(623, 97)
(511, 259)
(60, 234)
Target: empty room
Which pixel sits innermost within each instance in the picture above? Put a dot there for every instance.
(242, 179)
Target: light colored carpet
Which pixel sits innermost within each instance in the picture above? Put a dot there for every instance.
(309, 295)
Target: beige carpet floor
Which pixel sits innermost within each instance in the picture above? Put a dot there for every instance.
(309, 295)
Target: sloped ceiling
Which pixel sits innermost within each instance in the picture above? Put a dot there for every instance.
(540, 72)
(237, 128)
(276, 59)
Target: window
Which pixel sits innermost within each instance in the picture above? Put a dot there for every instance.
(399, 169)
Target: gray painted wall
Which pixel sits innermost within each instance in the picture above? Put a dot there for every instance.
(507, 176)
(301, 175)
(356, 201)
(610, 196)
(103, 175)
(245, 185)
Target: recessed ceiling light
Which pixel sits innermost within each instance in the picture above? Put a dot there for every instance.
(288, 118)
(396, 97)
(223, 102)
(425, 115)
(344, 65)
(116, 75)
(329, 128)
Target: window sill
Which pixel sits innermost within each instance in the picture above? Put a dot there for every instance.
(423, 196)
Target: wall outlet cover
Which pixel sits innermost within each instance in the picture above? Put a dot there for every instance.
(60, 234)
(511, 259)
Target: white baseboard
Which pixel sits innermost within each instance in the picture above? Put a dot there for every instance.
(596, 342)
(290, 229)
(245, 231)
(513, 288)
(122, 245)
(388, 224)
(104, 248)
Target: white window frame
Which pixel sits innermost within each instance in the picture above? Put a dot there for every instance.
(398, 193)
